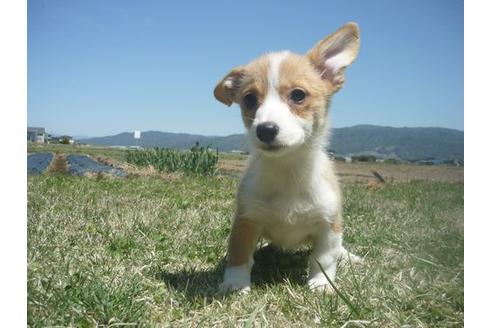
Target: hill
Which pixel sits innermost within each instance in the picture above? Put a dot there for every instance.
(172, 140)
(404, 143)
(384, 142)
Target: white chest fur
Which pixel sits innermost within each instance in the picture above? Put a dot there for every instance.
(289, 200)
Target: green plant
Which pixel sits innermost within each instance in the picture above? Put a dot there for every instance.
(202, 162)
(65, 141)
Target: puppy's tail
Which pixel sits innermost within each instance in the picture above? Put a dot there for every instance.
(347, 257)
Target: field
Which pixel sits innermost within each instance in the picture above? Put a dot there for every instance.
(149, 250)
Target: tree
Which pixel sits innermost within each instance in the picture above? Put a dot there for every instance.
(196, 147)
(65, 141)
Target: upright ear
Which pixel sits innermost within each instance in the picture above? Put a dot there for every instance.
(334, 53)
(226, 90)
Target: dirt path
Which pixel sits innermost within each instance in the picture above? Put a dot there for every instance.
(363, 172)
(399, 172)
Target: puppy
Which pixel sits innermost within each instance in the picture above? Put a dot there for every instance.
(289, 193)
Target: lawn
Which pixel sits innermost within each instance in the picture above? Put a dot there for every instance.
(147, 250)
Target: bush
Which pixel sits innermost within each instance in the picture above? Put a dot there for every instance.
(364, 158)
(65, 141)
(203, 161)
(391, 161)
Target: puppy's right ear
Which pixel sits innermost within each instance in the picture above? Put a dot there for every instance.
(226, 90)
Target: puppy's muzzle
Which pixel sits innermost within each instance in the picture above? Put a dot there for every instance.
(267, 131)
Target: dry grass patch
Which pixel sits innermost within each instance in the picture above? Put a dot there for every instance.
(58, 164)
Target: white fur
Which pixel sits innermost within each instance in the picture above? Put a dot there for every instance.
(290, 197)
(229, 83)
(291, 194)
(276, 60)
(292, 129)
(326, 251)
(338, 61)
(237, 278)
(293, 202)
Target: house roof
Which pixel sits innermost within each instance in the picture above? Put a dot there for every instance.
(37, 130)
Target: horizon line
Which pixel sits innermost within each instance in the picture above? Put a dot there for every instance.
(82, 136)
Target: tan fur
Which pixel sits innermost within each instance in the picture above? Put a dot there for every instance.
(348, 35)
(337, 226)
(255, 82)
(242, 241)
(297, 72)
(331, 179)
(226, 92)
(292, 198)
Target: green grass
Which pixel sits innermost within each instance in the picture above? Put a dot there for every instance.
(203, 161)
(95, 151)
(150, 250)
(118, 154)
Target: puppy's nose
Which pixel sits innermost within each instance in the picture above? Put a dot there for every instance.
(267, 131)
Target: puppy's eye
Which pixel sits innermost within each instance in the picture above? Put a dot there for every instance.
(297, 96)
(250, 101)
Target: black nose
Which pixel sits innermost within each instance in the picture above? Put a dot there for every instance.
(267, 131)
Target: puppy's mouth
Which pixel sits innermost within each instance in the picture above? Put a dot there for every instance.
(271, 148)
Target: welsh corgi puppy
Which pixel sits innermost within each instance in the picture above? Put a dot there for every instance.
(289, 194)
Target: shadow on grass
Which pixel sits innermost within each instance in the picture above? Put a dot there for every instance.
(195, 284)
(272, 266)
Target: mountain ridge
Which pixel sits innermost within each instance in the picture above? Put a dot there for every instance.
(381, 141)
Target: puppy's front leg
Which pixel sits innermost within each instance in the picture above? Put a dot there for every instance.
(242, 244)
(327, 249)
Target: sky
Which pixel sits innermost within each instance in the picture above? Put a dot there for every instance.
(99, 68)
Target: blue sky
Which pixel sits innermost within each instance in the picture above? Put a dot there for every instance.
(102, 67)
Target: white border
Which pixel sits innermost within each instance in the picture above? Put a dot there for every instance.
(13, 209)
(478, 121)
(13, 105)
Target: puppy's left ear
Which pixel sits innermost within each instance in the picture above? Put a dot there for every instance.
(334, 53)
(226, 90)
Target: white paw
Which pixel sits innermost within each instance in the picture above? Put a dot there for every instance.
(320, 285)
(236, 278)
(347, 257)
(231, 286)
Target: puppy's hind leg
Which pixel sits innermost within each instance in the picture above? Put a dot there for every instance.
(242, 244)
(347, 257)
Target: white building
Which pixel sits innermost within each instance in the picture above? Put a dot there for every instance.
(37, 135)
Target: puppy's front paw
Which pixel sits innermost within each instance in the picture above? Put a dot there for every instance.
(230, 286)
(236, 278)
(320, 285)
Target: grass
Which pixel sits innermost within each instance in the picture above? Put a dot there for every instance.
(150, 250)
(94, 151)
(203, 161)
(113, 154)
